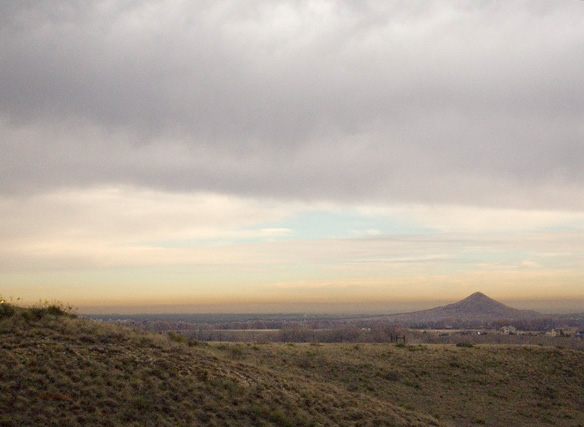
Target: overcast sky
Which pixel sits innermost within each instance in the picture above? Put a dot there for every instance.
(221, 151)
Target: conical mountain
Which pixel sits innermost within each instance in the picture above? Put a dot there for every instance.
(475, 308)
(480, 305)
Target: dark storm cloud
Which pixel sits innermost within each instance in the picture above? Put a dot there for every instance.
(446, 102)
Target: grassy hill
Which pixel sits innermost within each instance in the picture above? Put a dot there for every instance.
(58, 370)
(496, 385)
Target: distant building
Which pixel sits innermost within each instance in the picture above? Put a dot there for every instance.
(509, 330)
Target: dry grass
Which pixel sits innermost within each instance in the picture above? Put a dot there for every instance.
(463, 385)
(58, 370)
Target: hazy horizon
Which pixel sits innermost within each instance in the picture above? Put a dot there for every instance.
(291, 153)
(360, 308)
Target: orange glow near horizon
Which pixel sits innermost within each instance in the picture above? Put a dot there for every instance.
(139, 262)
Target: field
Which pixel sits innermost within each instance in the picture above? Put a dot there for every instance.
(59, 370)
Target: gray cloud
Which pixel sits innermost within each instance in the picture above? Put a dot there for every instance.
(443, 102)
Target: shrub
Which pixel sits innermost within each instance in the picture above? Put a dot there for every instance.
(177, 337)
(278, 417)
(236, 351)
(36, 311)
(412, 384)
(6, 310)
(393, 376)
(55, 310)
(305, 362)
(464, 344)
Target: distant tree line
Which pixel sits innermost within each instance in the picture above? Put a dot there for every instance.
(539, 324)
(299, 333)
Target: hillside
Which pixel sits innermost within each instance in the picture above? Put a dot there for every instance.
(477, 308)
(58, 370)
(492, 385)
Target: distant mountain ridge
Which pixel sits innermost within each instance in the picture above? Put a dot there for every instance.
(475, 308)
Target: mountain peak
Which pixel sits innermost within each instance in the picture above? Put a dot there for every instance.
(477, 307)
(477, 295)
(478, 303)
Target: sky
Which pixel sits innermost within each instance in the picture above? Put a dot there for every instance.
(291, 155)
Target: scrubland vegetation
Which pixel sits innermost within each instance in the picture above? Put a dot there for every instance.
(58, 370)
(61, 370)
(462, 384)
